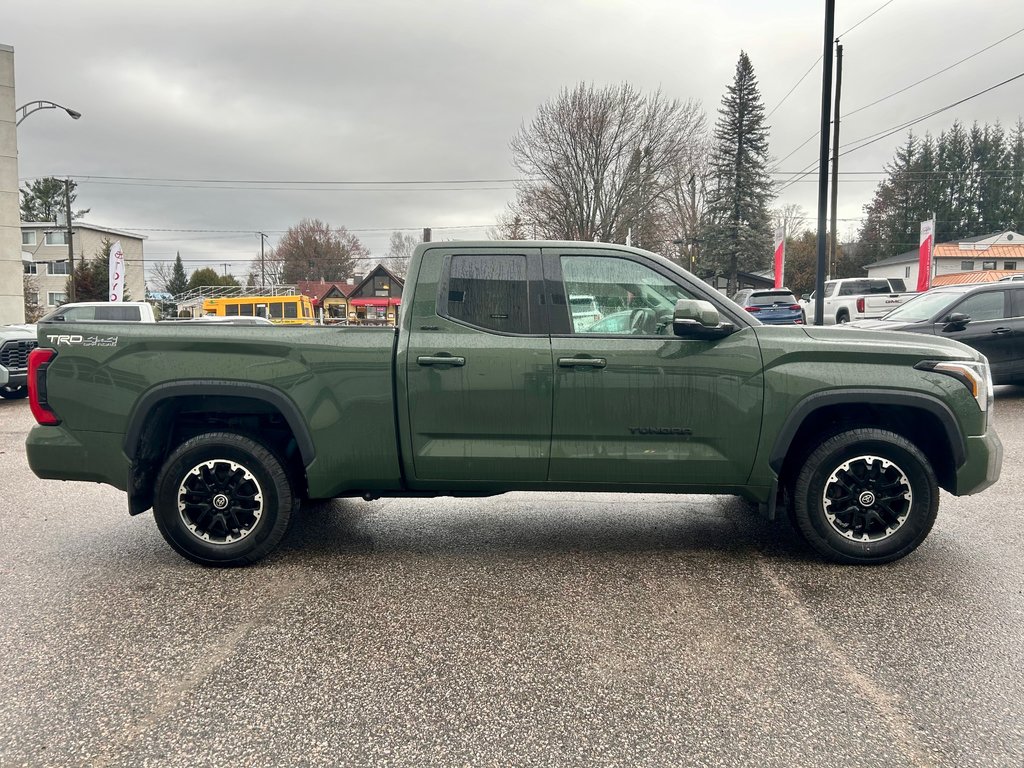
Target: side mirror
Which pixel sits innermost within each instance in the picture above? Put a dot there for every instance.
(699, 320)
(805, 297)
(956, 322)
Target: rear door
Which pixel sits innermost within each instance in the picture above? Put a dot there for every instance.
(1016, 322)
(478, 369)
(633, 403)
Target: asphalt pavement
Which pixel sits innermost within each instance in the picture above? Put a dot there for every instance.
(528, 629)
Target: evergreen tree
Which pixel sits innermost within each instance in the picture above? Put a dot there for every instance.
(43, 200)
(178, 282)
(92, 276)
(738, 233)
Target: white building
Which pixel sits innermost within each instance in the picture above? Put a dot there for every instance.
(44, 255)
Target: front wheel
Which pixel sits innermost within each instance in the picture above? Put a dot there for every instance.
(866, 496)
(223, 499)
(14, 393)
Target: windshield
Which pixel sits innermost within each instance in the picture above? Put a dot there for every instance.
(922, 307)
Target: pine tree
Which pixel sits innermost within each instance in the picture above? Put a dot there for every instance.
(178, 282)
(43, 199)
(738, 235)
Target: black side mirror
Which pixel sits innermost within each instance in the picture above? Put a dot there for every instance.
(805, 297)
(699, 320)
(956, 322)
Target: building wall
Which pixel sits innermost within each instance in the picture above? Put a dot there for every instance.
(12, 297)
(946, 265)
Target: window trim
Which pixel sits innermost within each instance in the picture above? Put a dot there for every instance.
(535, 315)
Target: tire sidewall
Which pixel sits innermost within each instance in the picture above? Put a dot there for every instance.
(278, 499)
(810, 486)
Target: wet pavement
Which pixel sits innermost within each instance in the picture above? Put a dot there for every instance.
(528, 629)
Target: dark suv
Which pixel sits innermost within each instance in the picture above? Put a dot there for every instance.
(986, 316)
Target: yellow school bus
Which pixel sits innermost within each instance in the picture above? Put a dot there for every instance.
(283, 310)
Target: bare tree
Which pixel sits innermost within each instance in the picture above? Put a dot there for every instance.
(400, 248)
(312, 250)
(599, 162)
(510, 226)
(792, 216)
(33, 309)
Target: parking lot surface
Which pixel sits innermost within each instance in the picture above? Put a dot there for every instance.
(527, 629)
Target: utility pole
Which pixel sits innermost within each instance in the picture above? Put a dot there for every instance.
(833, 255)
(69, 235)
(426, 234)
(826, 104)
(263, 268)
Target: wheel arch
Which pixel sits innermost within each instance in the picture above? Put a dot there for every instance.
(921, 418)
(153, 430)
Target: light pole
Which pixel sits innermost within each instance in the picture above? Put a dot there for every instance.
(34, 106)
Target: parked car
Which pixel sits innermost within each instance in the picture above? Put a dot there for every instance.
(857, 298)
(16, 341)
(116, 311)
(584, 312)
(986, 316)
(772, 306)
(1012, 278)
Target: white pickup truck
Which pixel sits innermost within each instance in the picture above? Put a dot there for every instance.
(857, 298)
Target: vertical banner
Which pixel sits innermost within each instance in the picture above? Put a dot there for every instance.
(116, 272)
(924, 255)
(780, 256)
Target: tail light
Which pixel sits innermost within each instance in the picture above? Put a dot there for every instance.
(39, 360)
(752, 309)
(795, 307)
(860, 304)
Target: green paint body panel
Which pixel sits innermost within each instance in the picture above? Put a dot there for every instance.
(665, 414)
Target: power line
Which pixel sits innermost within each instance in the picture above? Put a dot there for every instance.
(818, 60)
(288, 181)
(296, 188)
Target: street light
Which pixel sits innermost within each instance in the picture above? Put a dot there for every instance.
(34, 106)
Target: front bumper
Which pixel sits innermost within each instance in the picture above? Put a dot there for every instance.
(983, 464)
(13, 378)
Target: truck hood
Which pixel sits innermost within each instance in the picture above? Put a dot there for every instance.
(870, 342)
(879, 325)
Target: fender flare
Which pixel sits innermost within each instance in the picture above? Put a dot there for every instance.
(918, 400)
(211, 387)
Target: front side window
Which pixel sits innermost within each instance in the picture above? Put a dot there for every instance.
(489, 291)
(989, 305)
(629, 298)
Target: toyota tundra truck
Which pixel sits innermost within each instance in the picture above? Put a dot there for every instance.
(487, 386)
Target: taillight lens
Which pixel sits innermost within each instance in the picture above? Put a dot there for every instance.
(752, 309)
(860, 304)
(39, 360)
(795, 307)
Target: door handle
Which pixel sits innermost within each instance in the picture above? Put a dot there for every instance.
(1001, 331)
(582, 362)
(442, 359)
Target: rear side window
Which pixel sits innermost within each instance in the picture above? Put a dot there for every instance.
(489, 291)
(858, 287)
(1017, 297)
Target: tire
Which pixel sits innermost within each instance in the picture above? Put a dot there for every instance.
(236, 499)
(865, 497)
(842, 318)
(14, 393)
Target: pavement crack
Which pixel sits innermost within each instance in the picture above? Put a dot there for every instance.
(886, 705)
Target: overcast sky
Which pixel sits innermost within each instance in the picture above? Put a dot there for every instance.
(408, 90)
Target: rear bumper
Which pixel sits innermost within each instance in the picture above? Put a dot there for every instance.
(983, 464)
(54, 453)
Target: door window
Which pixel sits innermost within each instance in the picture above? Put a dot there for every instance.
(622, 297)
(489, 291)
(989, 305)
(1017, 296)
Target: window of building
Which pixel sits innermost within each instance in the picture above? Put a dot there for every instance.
(966, 266)
(28, 237)
(906, 272)
(489, 291)
(988, 265)
(31, 268)
(32, 297)
(57, 267)
(1009, 265)
(59, 237)
(53, 298)
(381, 285)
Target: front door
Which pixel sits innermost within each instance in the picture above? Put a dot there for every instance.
(478, 369)
(991, 330)
(633, 403)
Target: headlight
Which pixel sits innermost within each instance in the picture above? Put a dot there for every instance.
(976, 376)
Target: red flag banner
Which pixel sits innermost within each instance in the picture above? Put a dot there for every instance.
(780, 256)
(924, 255)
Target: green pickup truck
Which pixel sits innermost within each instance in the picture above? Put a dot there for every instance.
(491, 383)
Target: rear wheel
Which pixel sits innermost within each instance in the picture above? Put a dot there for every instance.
(223, 499)
(13, 393)
(865, 496)
(843, 317)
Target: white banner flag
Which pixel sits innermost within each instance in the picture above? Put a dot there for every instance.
(116, 272)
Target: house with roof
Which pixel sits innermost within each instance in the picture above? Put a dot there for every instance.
(373, 299)
(44, 255)
(980, 257)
